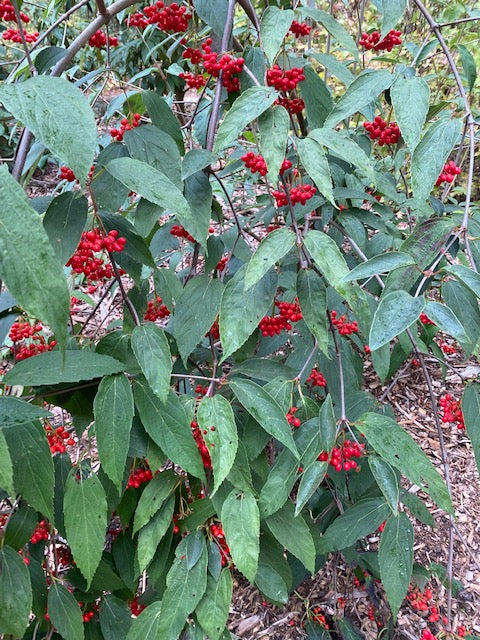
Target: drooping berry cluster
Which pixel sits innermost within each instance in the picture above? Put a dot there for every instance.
(316, 378)
(449, 172)
(256, 163)
(216, 531)
(215, 331)
(88, 614)
(288, 312)
(136, 607)
(284, 79)
(156, 310)
(291, 419)
(99, 40)
(385, 133)
(424, 319)
(299, 29)
(14, 35)
(222, 264)
(67, 174)
(41, 532)
(341, 457)
(180, 232)
(93, 242)
(201, 390)
(344, 327)
(137, 20)
(23, 331)
(201, 445)
(138, 476)
(300, 194)
(292, 105)
(125, 125)
(58, 439)
(452, 411)
(228, 65)
(373, 40)
(7, 13)
(173, 17)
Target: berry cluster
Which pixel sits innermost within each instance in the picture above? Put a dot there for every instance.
(423, 603)
(87, 615)
(284, 79)
(138, 476)
(447, 348)
(216, 530)
(100, 40)
(156, 310)
(58, 439)
(215, 331)
(136, 607)
(137, 20)
(301, 194)
(7, 12)
(180, 232)
(194, 81)
(213, 65)
(424, 319)
(41, 532)
(125, 125)
(452, 411)
(221, 264)
(256, 163)
(20, 331)
(316, 378)
(168, 18)
(14, 36)
(300, 29)
(201, 390)
(289, 312)
(341, 457)
(449, 171)
(385, 133)
(344, 327)
(292, 105)
(372, 40)
(91, 243)
(316, 616)
(201, 445)
(291, 419)
(67, 174)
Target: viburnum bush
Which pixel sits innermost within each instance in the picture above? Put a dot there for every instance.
(252, 203)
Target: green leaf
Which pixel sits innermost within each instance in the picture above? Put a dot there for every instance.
(152, 351)
(47, 369)
(387, 481)
(146, 626)
(396, 312)
(471, 416)
(191, 326)
(354, 523)
(274, 26)
(135, 248)
(241, 525)
(340, 145)
(152, 533)
(274, 126)
(215, 417)
(328, 425)
(115, 617)
(251, 104)
(334, 27)
(113, 410)
(154, 186)
(316, 631)
(153, 497)
(241, 311)
(293, 533)
(271, 250)
(64, 222)
(446, 320)
(397, 447)
(431, 154)
(6, 469)
(410, 98)
(313, 158)
(185, 589)
(266, 411)
(417, 507)
(281, 478)
(69, 132)
(213, 13)
(195, 160)
(167, 285)
(392, 12)
(469, 65)
(395, 556)
(312, 297)
(157, 149)
(338, 69)
(380, 264)
(28, 265)
(198, 193)
(348, 631)
(32, 463)
(85, 509)
(464, 304)
(327, 256)
(311, 479)
(469, 278)
(317, 98)
(15, 593)
(169, 426)
(363, 90)
(162, 115)
(213, 609)
(15, 410)
(64, 612)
